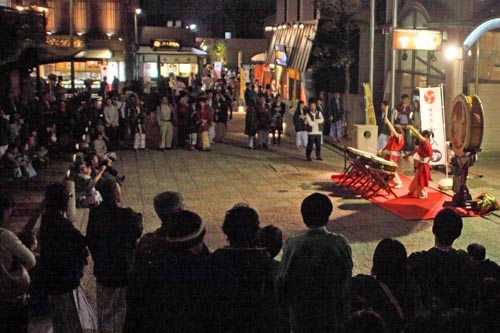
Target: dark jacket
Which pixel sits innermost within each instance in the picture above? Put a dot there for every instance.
(264, 117)
(62, 254)
(168, 295)
(242, 289)
(337, 110)
(112, 234)
(300, 124)
(443, 275)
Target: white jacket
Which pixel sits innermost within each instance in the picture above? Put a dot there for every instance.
(314, 120)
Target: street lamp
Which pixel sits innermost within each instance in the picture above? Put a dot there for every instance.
(137, 12)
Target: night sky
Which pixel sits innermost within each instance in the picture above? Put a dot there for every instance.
(243, 18)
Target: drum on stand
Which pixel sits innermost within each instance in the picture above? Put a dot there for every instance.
(467, 124)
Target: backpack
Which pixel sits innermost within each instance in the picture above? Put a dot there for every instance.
(486, 203)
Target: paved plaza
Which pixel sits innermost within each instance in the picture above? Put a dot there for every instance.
(274, 182)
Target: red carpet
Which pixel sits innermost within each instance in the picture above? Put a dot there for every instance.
(410, 208)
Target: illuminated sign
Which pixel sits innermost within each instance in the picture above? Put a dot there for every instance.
(165, 44)
(412, 39)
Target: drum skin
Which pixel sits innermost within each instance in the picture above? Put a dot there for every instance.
(467, 124)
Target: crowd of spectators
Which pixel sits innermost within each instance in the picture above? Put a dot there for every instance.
(169, 280)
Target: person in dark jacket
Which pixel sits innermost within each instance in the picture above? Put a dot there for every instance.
(241, 280)
(4, 132)
(278, 109)
(264, 118)
(169, 294)
(112, 235)
(299, 122)
(63, 255)
(442, 271)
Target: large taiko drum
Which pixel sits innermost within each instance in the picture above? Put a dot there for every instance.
(467, 124)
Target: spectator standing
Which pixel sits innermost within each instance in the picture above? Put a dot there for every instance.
(384, 131)
(138, 117)
(442, 271)
(123, 119)
(263, 122)
(205, 114)
(251, 123)
(111, 121)
(299, 122)
(192, 123)
(278, 109)
(314, 270)
(63, 255)
(112, 234)
(181, 112)
(15, 260)
(314, 125)
(403, 115)
(338, 112)
(103, 88)
(220, 107)
(165, 117)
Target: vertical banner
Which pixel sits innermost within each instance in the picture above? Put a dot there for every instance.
(431, 113)
(370, 111)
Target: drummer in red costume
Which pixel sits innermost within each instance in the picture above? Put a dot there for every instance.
(423, 174)
(395, 143)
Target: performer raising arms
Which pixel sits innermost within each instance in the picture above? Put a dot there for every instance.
(423, 174)
(393, 147)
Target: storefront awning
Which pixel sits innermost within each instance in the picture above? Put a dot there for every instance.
(181, 51)
(259, 57)
(296, 43)
(94, 54)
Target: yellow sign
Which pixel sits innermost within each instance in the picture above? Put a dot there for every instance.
(370, 111)
(165, 44)
(413, 39)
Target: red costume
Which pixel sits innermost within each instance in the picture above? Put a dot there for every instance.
(393, 147)
(204, 113)
(425, 152)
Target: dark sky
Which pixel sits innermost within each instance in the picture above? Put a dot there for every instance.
(243, 18)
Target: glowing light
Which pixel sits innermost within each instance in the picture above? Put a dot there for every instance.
(138, 11)
(451, 53)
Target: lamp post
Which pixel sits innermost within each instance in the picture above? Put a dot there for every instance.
(137, 12)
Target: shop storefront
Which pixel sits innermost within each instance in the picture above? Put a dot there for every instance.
(180, 62)
(289, 53)
(93, 61)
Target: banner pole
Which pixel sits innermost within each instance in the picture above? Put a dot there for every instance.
(444, 128)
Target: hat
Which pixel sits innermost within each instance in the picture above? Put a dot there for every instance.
(185, 230)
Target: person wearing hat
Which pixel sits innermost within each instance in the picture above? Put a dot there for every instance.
(13, 308)
(152, 246)
(169, 294)
(314, 270)
(112, 234)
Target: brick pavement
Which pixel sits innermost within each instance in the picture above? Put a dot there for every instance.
(274, 182)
